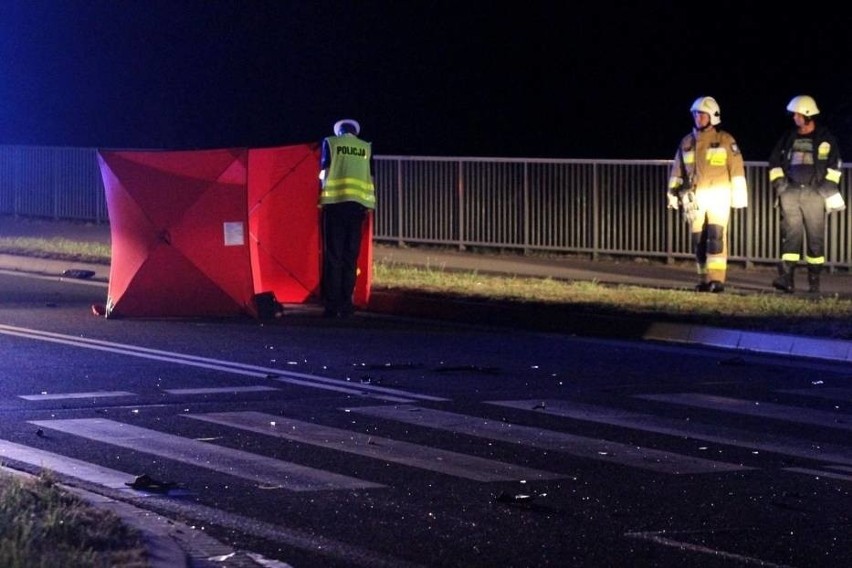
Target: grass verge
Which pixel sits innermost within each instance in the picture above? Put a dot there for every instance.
(64, 249)
(46, 526)
(821, 316)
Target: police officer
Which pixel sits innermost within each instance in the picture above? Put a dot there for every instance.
(347, 195)
(706, 180)
(804, 170)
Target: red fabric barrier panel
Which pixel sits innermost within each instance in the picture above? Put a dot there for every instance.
(178, 223)
(364, 281)
(200, 233)
(284, 235)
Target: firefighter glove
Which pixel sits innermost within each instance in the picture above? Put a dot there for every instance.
(673, 201)
(689, 203)
(739, 198)
(835, 203)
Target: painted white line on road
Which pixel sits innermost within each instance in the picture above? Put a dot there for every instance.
(819, 473)
(834, 393)
(70, 395)
(386, 449)
(261, 469)
(355, 391)
(689, 547)
(221, 390)
(71, 467)
(302, 379)
(757, 408)
(116, 480)
(709, 432)
(590, 448)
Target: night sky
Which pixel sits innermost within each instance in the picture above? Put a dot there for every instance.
(459, 78)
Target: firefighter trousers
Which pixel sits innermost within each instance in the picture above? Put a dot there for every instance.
(709, 229)
(802, 218)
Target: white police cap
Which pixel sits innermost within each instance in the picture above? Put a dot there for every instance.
(340, 123)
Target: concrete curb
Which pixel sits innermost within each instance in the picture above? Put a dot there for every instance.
(530, 316)
(560, 319)
(757, 342)
(51, 267)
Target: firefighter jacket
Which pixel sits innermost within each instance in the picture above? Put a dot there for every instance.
(709, 159)
(811, 160)
(349, 174)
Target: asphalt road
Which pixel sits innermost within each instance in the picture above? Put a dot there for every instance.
(384, 441)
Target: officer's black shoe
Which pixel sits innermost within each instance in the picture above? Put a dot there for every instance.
(703, 287)
(330, 313)
(715, 287)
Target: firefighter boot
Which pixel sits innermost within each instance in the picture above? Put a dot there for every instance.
(813, 278)
(785, 280)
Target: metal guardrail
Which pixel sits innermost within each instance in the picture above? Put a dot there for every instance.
(50, 182)
(589, 207)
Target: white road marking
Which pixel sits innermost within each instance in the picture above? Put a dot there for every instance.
(69, 395)
(386, 449)
(709, 432)
(756, 408)
(261, 469)
(71, 467)
(221, 390)
(591, 448)
(116, 480)
(819, 473)
(715, 552)
(301, 379)
(834, 393)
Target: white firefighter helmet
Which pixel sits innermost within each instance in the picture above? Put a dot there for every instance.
(804, 105)
(710, 106)
(347, 125)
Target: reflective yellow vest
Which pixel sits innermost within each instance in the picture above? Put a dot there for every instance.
(348, 177)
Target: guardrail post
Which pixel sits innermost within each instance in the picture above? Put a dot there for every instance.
(460, 195)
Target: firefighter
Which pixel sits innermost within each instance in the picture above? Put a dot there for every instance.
(804, 171)
(347, 195)
(707, 179)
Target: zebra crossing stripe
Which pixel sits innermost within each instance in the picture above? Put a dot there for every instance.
(352, 555)
(257, 468)
(664, 538)
(221, 390)
(68, 395)
(386, 449)
(833, 393)
(590, 448)
(819, 473)
(757, 408)
(71, 467)
(708, 432)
